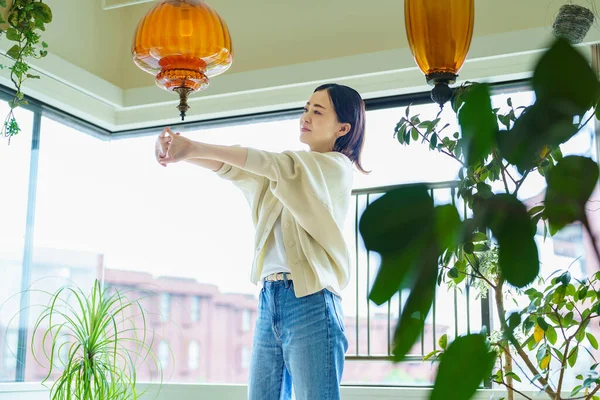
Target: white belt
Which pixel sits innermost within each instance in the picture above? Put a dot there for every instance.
(280, 276)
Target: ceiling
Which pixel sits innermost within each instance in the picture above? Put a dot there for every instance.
(266, 33)
(277, 43)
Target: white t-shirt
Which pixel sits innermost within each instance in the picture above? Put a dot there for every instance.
(275, 254)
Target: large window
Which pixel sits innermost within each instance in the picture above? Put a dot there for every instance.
(182, 238)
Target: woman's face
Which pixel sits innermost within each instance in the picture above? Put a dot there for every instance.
(319, 125)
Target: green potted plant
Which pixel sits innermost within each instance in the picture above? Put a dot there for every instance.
(22, 22)
(421, 244)
(96, 343)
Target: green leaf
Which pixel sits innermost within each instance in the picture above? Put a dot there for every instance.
(479, 237)
(541, 353)
(565, 279)
(573, 356)
(454, 274)
(399, 226)
(536, 210)
(558, 353)
(570, 184)
(507, 217)
(557, 153)
(524, 145)
(551, 335)
(13, 34)
(559, 295)
(478, 123)
(588, 382)
(443, 342)
(418, 304)
(568, 318)
(415, 134)
(3, 3)
(481, 247)
(514, 376)
(564, 79)
(514, 320)
(429, 356)
(582, 293)
(469, 247)
(400, 132)
(504, 120)
(484, 190)
(592, 339)
(469, 361)
(14, 52)
(448, 226)
(581, 332)
(543, 324)
(433, 142)
(42, 12)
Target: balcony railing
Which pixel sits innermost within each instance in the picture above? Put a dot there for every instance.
(469, 314)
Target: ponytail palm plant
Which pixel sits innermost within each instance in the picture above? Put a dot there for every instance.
(95, 342)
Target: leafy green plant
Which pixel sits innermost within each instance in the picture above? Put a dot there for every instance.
(26, 18)
(421, 244)
(96, 342)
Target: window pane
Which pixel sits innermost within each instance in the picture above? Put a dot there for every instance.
(70, 225)
(15, 161)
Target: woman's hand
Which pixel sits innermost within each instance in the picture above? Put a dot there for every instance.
(171, 147)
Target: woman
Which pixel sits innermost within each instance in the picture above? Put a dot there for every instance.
(299, 201)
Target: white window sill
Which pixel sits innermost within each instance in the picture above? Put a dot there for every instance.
(35, 391)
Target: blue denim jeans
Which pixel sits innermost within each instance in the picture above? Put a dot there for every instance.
(299, 340)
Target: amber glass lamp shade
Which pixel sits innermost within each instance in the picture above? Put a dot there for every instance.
(182, 43)
(439, 35)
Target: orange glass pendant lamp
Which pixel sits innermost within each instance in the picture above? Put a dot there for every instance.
(183, 43)
(439, 35)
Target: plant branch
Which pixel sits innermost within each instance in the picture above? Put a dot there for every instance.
(514, 390)
(463, 273)
(520, 182)
(515, 343)
(566, 355)
(502, 170)
(480, 275)
(509, 175)
(558, 318)
(428, 141)
(593, 392)
(563, 368)
(519, 366)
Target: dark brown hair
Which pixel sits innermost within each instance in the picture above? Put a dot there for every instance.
(350, 109)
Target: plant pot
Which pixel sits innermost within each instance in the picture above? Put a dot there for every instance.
(572, 23)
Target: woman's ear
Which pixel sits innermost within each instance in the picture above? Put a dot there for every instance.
(344, 130)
